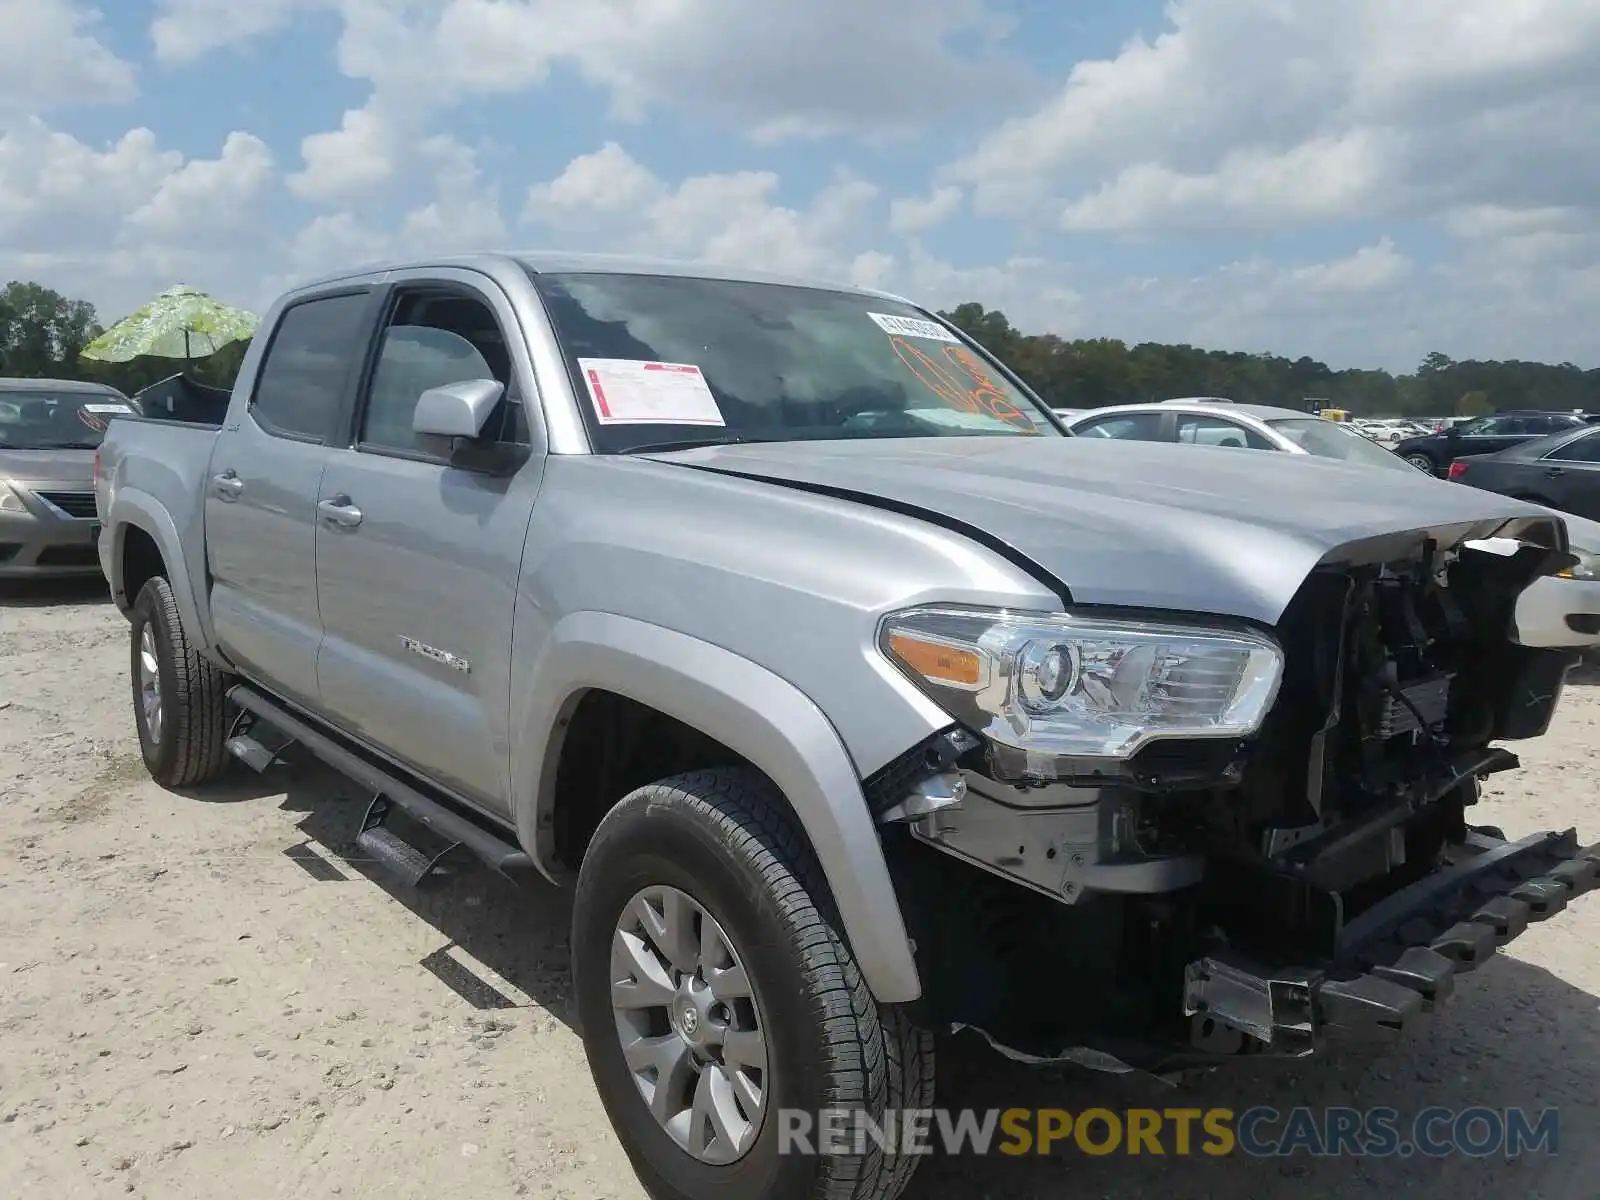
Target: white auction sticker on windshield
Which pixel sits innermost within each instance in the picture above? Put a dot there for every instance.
(625, 391)
(107, 408)
(913, 327)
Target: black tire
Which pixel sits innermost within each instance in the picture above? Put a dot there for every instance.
(728, 839)
(188, 749)
(1417, 459)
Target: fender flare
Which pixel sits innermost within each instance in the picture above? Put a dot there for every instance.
(135, 509)
(769, 721)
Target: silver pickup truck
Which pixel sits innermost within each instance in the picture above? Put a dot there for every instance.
(856, 698)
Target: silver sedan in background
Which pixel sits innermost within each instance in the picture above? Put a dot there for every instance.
(49, 431)
(1243, 426)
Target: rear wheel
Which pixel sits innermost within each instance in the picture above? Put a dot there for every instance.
(721, 1009)
(179, 696)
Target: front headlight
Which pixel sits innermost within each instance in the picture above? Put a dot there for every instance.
(1053, 684)
(1587, 566)
(9, 501)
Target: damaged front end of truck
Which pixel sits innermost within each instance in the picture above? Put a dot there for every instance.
(1148, 842)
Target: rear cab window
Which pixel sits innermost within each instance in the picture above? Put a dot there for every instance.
(301, 385)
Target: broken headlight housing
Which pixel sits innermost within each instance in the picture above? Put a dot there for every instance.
(1052, 684)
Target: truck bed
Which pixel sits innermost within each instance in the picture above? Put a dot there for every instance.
(156, 468)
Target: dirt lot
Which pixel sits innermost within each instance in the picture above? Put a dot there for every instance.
(202, 996)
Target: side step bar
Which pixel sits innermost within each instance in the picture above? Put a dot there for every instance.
(498, 851)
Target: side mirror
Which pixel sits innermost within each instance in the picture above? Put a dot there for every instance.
(456, 410)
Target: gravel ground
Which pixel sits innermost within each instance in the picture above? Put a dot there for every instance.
(201, 995)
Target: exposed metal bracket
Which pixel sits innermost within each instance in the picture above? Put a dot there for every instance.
(936, 793)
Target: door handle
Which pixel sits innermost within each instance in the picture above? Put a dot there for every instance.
(228, 484)
(339, 511)
(1554, 472)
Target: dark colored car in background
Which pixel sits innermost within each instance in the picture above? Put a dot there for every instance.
(1561, 471)
(1483, 435)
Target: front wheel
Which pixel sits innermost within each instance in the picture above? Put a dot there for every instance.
(179, 696)
(722, 1013)
(1423, 463)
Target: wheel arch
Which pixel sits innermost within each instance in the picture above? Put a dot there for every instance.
(741, 706)
(145, 542)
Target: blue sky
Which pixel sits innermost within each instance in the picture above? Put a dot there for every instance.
(1362, 182)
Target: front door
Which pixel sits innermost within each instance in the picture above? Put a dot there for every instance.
(418, 556)
(261, 493)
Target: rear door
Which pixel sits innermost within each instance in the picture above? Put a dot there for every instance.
(261, 492)
(418, 552)
(1572, 476)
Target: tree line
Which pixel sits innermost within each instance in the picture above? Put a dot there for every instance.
(42, 334)
(1093, 372)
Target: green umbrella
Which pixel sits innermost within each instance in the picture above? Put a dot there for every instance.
(181, 322)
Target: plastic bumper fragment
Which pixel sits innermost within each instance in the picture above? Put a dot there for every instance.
(1398, 960)
(1367, 1006)
(1425, 971)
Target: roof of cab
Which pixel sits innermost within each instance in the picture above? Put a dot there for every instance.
(547, 262)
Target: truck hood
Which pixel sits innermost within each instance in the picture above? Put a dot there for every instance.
(47, 466)
(1139, 524)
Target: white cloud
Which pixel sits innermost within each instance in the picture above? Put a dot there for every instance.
(609, 201)
(918, 214)
(184, 30)
(464, 214)
(772, 73)
(51, 57)
(114, 224)
(51, 184)
(208, 195)
(356, 159)
(607, 183)
(1359, 309)
(1037, 294)
(1324, 179)
(1284, 112)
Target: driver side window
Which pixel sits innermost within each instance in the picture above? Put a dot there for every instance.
(434, 339)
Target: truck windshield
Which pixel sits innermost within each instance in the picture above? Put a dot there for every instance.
(661, 362)
(45, 420)
(1327, 439)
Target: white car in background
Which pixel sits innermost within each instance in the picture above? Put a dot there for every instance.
(1389, 432)
(1242, 426)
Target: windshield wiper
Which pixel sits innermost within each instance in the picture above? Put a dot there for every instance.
(59, 446)
(691, 444)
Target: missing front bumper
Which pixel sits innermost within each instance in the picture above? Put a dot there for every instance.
(1395, 962)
